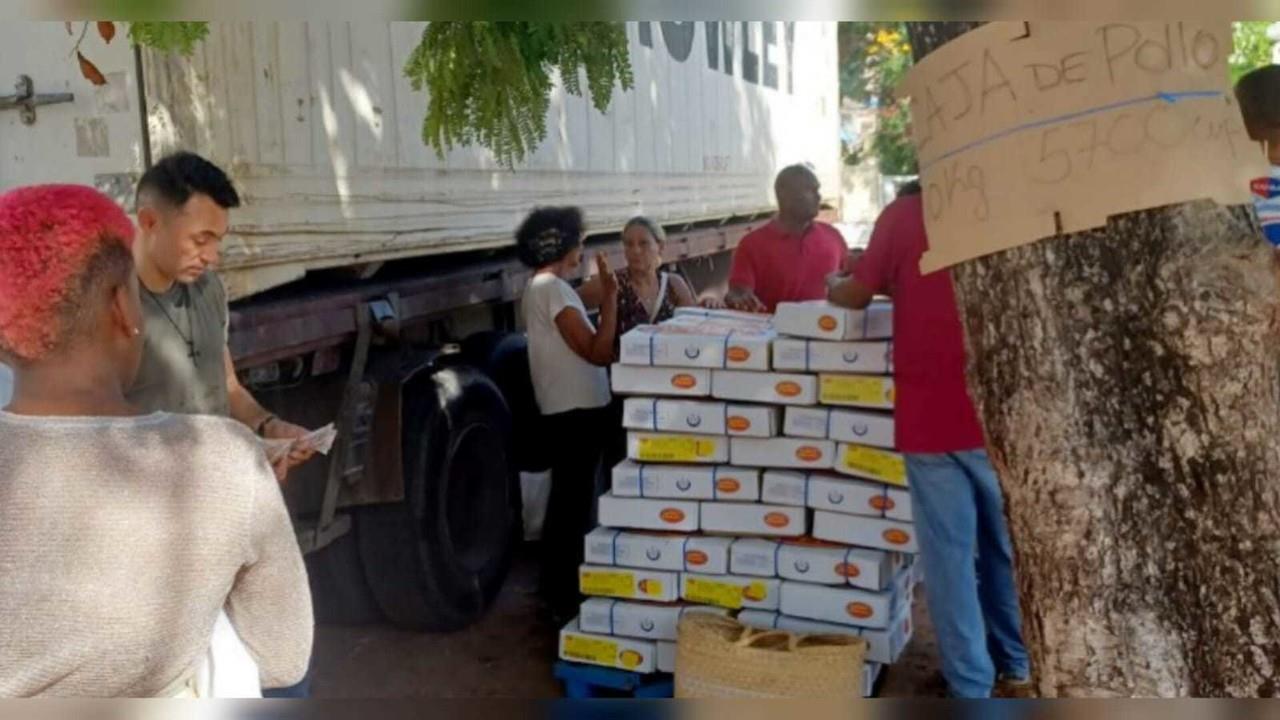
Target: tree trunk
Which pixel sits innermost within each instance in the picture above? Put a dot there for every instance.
(1129, 385)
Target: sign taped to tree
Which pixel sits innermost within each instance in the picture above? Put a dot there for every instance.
(1027, 130)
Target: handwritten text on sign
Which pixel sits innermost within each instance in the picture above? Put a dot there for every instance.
(1025, 130)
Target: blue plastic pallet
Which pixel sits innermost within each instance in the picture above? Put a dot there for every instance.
(582, 682)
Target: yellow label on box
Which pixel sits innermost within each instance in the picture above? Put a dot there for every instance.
(713, 593)
(675, 449)
(592, 650)
(651, 588)
(884, 466)
(612, 584)
(856, 390)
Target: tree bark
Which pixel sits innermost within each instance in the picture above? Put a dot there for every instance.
(1128, 379)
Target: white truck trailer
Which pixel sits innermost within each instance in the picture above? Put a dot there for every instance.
(373, 281)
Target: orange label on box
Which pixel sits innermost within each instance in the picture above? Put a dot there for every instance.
(684, 381)
(787, 388)
(882, 503)
(737, 353)
(859, 610)
(827, 322)
(896, 536)
(848, 570)
(652, 588)
(672, 515)
(755, 591)
(738, 423)
(695, 557)
(728, 485)
(777, 520)
(630, 659)
(808, 453)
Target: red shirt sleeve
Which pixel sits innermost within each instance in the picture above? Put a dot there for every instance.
(874, 270)
(742, 272)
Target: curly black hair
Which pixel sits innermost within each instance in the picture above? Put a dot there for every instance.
(548, 234)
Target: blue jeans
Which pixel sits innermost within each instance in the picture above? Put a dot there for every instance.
(959, 514)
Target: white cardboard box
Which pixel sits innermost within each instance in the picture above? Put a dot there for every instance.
(875, 358)
(708, 343)
(884, 645)
(693, 553)
(765, 387)
(870, 673)
(759, 619)
(737, 317)
(648, 621)
(843, 605)
(673, 448)
(865, 531)
(703, 417)
(783, 453)
(732, 518)
(821, 320)
(865, 427)
(754, 556)
(784, 487)
(614, 652)
(686, 482)
(647, 514)
(865, 391)
(628, 583)
(730, 591)
(858, 497)
(825, 564)
(885, 466)
(637, 380)
(666, 657)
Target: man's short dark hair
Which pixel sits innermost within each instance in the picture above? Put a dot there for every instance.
(1258, 93)
(175, 178)
(791, 171)
(548, 234)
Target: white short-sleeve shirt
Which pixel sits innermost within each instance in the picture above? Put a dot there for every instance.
(562, 380)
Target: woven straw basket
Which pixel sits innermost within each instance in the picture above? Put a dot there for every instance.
(718, 657)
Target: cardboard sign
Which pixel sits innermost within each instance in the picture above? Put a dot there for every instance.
(1027, 130)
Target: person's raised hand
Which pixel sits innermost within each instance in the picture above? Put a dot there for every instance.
(608, 281)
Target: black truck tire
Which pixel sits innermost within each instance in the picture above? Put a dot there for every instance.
(340, 595)
(504, 357)
(436, 560)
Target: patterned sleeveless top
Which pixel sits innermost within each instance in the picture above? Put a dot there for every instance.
(632, 312)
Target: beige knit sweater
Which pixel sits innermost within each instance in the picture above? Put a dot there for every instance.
(120, 541)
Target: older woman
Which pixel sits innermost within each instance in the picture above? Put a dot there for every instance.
(122, 536)
(646, 294)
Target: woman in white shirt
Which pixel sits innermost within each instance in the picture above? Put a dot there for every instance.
(567, 360)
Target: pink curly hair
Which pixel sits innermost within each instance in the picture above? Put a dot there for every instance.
(49, 234)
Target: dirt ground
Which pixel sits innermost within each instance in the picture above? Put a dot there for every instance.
(509, 654)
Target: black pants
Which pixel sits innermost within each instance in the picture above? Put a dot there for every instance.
(579, 440)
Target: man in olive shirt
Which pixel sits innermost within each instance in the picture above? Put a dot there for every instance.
(183, 204)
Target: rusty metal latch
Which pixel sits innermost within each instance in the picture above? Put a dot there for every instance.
(26, 100)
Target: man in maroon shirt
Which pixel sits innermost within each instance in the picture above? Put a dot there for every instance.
(956, 499)
(789, 259)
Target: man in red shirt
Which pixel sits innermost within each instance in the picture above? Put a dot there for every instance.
(956, 499)
(789, 259)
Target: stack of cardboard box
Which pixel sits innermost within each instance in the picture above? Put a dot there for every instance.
(761, 481)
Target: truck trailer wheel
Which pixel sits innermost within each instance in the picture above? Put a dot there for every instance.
(504, 357)
(436, 560)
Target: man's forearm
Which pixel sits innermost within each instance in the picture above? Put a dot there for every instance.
(246, 409)
(850, 294)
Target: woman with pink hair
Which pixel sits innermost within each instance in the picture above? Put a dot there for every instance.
(114, 573)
